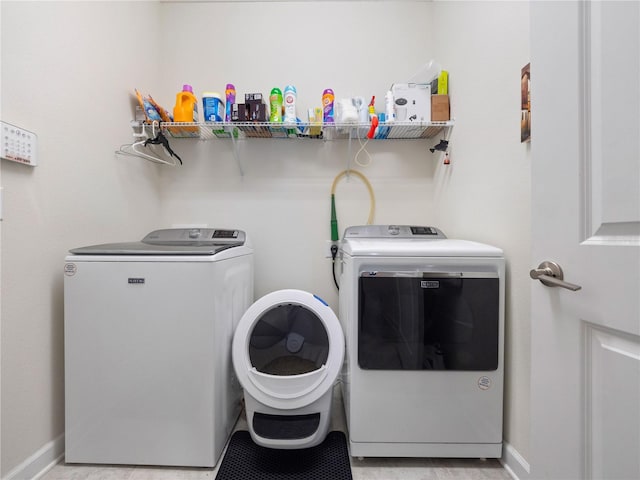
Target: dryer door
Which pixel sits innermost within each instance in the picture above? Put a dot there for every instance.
(428, 321)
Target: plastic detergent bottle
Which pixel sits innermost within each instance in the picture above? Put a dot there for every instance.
(390, 111)
(212, 107)
(186, 109)
(290, 95)
(275, 101)
(230, 94)
(327, 105)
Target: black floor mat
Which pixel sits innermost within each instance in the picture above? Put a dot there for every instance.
(244, 460)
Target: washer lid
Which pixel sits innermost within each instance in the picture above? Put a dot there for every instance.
(173, 241)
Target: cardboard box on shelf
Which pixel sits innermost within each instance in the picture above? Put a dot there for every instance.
(440, 108)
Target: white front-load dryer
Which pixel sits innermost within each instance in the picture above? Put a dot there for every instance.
(423, 318)
(287, 353)
(147, 330)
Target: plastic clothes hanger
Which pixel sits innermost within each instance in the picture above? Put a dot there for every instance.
(138, 149)
(135, 150)
(160, 139)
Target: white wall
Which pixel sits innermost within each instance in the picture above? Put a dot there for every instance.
(68, 69)
(282, 201)
(486, 194)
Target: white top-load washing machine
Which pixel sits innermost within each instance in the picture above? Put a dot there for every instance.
(148, 327)
(423, 319)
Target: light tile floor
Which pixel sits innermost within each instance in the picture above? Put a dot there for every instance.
(365, 469)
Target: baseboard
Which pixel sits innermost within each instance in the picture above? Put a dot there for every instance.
(40, 462)
(514, 463)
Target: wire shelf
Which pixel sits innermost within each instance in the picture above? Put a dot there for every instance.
(302, 130)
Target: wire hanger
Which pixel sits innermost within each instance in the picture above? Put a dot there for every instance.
(140, 148)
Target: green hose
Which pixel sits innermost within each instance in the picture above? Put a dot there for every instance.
(334, 220)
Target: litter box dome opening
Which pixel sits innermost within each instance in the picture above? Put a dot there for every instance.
(288, 339)
(288, 349)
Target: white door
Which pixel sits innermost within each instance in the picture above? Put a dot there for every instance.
(585, 102)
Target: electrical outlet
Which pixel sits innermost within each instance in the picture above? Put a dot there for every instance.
(327, 248)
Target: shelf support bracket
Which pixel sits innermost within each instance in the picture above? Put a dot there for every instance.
(236, 153)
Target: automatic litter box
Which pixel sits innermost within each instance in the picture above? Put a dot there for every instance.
(287, 352)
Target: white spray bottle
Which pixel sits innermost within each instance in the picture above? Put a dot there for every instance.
(290, 95)
(390, 110)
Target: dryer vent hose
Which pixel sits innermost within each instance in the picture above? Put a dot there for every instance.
(334, 218)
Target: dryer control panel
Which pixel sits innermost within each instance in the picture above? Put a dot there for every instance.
(394, 231)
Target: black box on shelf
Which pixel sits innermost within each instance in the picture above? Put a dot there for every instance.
(239, 112)
(258, 112)
(250, 98)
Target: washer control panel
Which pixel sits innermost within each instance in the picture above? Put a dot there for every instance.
(393, 231)
(195, 236)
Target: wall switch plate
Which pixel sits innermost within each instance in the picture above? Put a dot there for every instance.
(18, 145)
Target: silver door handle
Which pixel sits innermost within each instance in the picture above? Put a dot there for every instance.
(550, 274)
